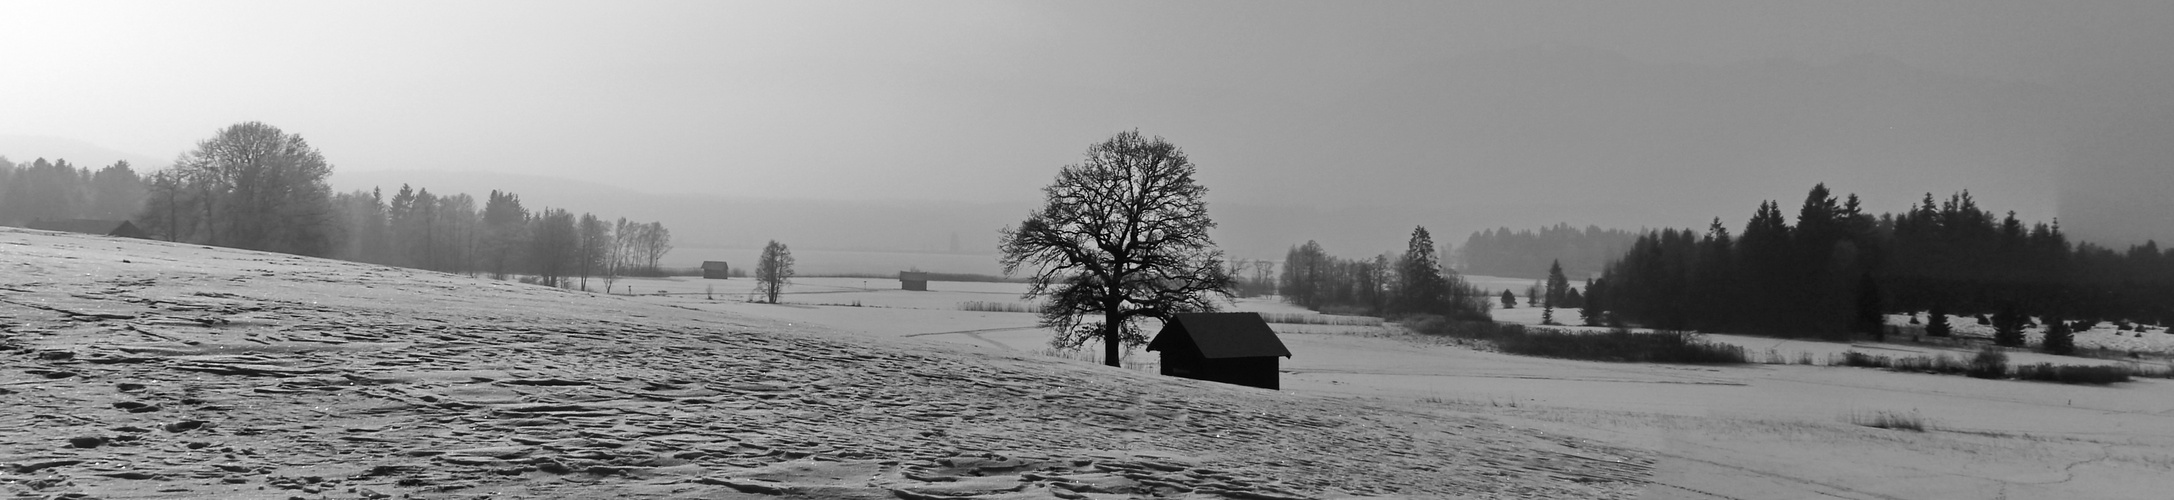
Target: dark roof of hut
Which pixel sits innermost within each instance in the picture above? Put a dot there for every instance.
(1225, 335)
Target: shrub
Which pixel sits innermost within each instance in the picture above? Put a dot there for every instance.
(1941, 364)
(1889, 420)
(1320, 319)
(1862, 360)
(1008, 307)
(1622, 346)
(1479, 330)
(1619, 345)
(1989, 363)
(2073, 374)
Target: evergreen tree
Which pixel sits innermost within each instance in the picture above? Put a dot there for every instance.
(505, 234)
(1421, 289)
(2059, 339)
(1870, 318)
(1936, 322)
(1592, 312)
(2008, 327)
(1557, 284)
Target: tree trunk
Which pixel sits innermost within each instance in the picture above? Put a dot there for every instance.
(1110, 336)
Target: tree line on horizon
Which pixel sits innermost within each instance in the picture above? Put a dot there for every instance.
(418, 229)
(1523, 254)
(1838, 270)
(56, 190)
(1409, 284)
(253, 186)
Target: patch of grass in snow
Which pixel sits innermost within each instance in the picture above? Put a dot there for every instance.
(1993, 364)
(1884, 419)
(1130, 362)
(1320, 319)
(2073, 374)
(1619, 345)
(1492, 401)
(1002, 307)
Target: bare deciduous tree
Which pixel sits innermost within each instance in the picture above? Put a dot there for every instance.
(616, 253)
(1123, 235)
(595, 237)
(554, 246)
(258, 188)
(656, 241)
(774, 270)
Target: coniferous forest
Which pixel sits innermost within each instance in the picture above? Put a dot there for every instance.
(1524, 254)
(1838, 269)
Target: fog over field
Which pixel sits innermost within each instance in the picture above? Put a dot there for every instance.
(1087, 250)
(1346, 124)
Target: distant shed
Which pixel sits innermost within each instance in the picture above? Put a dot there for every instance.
(715, 270)
(119, 228)
(1232, 348)
(913, 280)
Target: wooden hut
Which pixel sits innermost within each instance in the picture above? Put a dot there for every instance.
(119, 228)
(1232, 348)
(715, 270)
(913, 280)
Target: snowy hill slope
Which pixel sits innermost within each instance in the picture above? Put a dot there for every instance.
(140, 369)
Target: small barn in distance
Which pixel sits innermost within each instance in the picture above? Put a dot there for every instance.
(913, 280)
(1232, 348)
(715, 270)
(119, 228)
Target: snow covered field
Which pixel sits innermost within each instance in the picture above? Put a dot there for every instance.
(152, 370)
(136, 369)
(1748, 432)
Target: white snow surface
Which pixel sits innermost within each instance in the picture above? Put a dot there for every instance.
(854, 389)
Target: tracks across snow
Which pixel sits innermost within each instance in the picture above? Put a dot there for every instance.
(246, 375)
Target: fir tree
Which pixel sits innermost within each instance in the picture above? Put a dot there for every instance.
(2059, 339)
(1591, 312)
(2008, 327)
(1936, 322)
(1870, 320)
(1557, 285)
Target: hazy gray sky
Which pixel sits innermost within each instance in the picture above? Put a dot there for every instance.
(1429, 104)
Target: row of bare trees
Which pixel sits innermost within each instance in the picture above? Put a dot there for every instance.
(254, 186)
(419, 229)
(1394, 285)
(249, 186)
